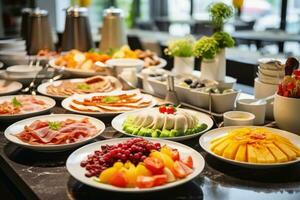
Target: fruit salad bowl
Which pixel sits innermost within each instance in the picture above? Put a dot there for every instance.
(287, 103)
(131, 174)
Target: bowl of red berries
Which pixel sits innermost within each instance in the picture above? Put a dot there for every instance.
(287, 103)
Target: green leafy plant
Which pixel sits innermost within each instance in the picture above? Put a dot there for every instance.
(206, 47)
(219, 13)
(181, 47)
(224, 39)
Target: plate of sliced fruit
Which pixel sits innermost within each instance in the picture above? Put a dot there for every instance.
(252, 146)
(166, 122)
(135, 164)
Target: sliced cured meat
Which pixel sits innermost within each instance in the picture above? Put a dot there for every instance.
(21, 105)
(58, 132)
(86, 86)
(113, 102)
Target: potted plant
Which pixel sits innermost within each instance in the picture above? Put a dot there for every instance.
(219, 14)
(211, 50)
(182, 51)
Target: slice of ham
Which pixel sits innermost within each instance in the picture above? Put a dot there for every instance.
(69, 131)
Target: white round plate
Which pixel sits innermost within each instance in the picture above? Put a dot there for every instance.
(215, 133)
(43, 87)
(80, 97)
(74, 72)
(117, 123)
(9, 87)
(19, 127)
(74, 168)
(50, 104)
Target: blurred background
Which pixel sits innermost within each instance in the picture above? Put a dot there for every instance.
(260, 26)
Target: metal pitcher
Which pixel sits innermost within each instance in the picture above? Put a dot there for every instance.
(40, 32)
(113, 34)
(25, 25)
(77, 34)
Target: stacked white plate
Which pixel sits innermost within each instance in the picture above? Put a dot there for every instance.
(270, 70)
(270, 74)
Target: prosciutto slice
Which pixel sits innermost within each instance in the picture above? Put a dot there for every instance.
(65, 132)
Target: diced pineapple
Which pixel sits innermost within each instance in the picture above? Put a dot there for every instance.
(241, 153)
(251, 154)
(286, 149)
(293, 147)
(257, 145)
(231, 150)
(218, 139)
(267, 155)
(220, 148)
(260, 157)
(277, 153)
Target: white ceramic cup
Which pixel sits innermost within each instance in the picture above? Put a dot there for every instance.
(258, 109)
(262, 90)
(238, 118)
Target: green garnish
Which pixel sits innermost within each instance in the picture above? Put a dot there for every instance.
(54, 125)
(83, 86)
(110, 99)
(15, 102)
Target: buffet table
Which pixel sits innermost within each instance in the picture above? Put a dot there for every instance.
(44, 176)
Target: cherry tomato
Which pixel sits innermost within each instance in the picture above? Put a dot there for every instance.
(155, 165)
(118, 179)
(171, 110)
(145, 181)
(179, 172)
(162, 109)
(188, 161)
(160, 179)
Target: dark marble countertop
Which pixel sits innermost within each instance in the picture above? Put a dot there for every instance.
(44, 176)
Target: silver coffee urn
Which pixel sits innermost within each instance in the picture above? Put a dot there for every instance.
(113, 35)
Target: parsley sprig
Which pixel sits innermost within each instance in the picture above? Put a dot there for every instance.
(54, 125)
(15, 102)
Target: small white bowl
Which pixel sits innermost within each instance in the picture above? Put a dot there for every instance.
(23, 70)
(238, 118)
(119, 64)
(258, 108)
